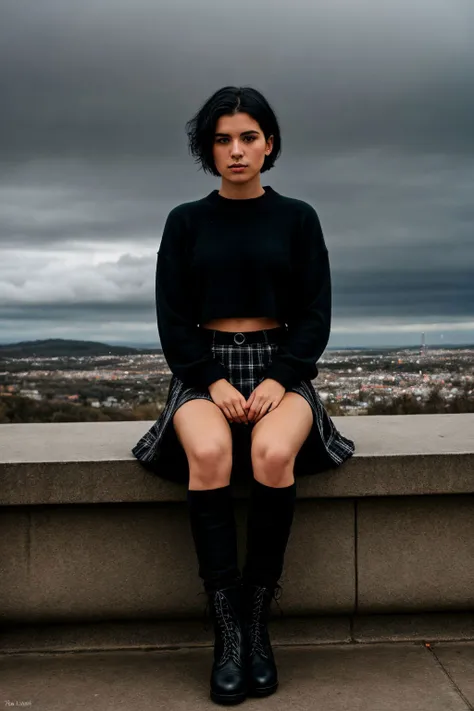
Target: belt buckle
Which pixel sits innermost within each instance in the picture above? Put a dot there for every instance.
(239, 343)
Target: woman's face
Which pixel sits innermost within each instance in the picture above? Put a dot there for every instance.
(239, 139)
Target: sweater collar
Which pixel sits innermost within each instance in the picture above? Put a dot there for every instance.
(244, 204)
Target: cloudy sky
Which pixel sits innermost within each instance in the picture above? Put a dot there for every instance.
(376, 107)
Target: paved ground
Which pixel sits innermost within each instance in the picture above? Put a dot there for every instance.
(333, 677)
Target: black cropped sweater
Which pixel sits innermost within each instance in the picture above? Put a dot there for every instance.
(221, 257)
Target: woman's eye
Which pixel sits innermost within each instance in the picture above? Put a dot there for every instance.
(251, 138)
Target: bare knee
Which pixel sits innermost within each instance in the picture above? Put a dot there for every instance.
(271, 455)
(273, 464)
(210, 465)
(207, 440)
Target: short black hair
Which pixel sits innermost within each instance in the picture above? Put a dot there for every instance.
(231, 100)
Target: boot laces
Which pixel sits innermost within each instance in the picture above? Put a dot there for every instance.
(258, 622)
(228, 628)
(256, 641)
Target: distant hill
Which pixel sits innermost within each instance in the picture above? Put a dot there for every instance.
(62, 347)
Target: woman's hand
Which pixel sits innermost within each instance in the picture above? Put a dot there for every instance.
(229, 400)
(267, 395)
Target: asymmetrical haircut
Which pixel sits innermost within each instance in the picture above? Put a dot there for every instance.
(231, 100)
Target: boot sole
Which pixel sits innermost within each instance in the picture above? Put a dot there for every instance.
(263, 691)
(228, 698)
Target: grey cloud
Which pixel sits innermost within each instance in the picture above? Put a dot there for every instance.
(94, 80)
(376, 104)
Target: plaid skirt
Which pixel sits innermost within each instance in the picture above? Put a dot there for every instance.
(245, 356)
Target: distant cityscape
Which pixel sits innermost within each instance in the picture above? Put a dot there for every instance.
(124, 380)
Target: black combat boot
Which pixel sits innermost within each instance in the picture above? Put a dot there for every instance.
(262, 671)
(229, 672)
(214, 533)
(268, 529)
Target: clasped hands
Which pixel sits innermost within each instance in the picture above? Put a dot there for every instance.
(265, 397)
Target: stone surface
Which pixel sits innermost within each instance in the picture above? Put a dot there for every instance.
(319, 572)
(377, 677)
(91, 462)
(412, 554)
(87, 534)
(15, 589)
(163, 634)
(286, 631)
(86, 563)
(435, 626)
(458, 661)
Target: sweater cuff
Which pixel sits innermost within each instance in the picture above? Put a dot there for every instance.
(211, 372)
(285, 374)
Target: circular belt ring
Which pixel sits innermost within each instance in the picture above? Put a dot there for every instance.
(239, 343)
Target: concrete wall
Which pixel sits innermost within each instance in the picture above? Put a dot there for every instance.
(86, 534)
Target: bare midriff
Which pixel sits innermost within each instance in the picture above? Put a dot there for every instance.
(241, 324)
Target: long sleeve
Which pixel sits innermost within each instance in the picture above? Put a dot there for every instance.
(188, 354)
(309, 325)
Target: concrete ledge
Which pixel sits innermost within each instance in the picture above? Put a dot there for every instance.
(179, 634)
(88, 535)
(112, 562)
(86, 462)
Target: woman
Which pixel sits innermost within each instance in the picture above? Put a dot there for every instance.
(243, 298)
